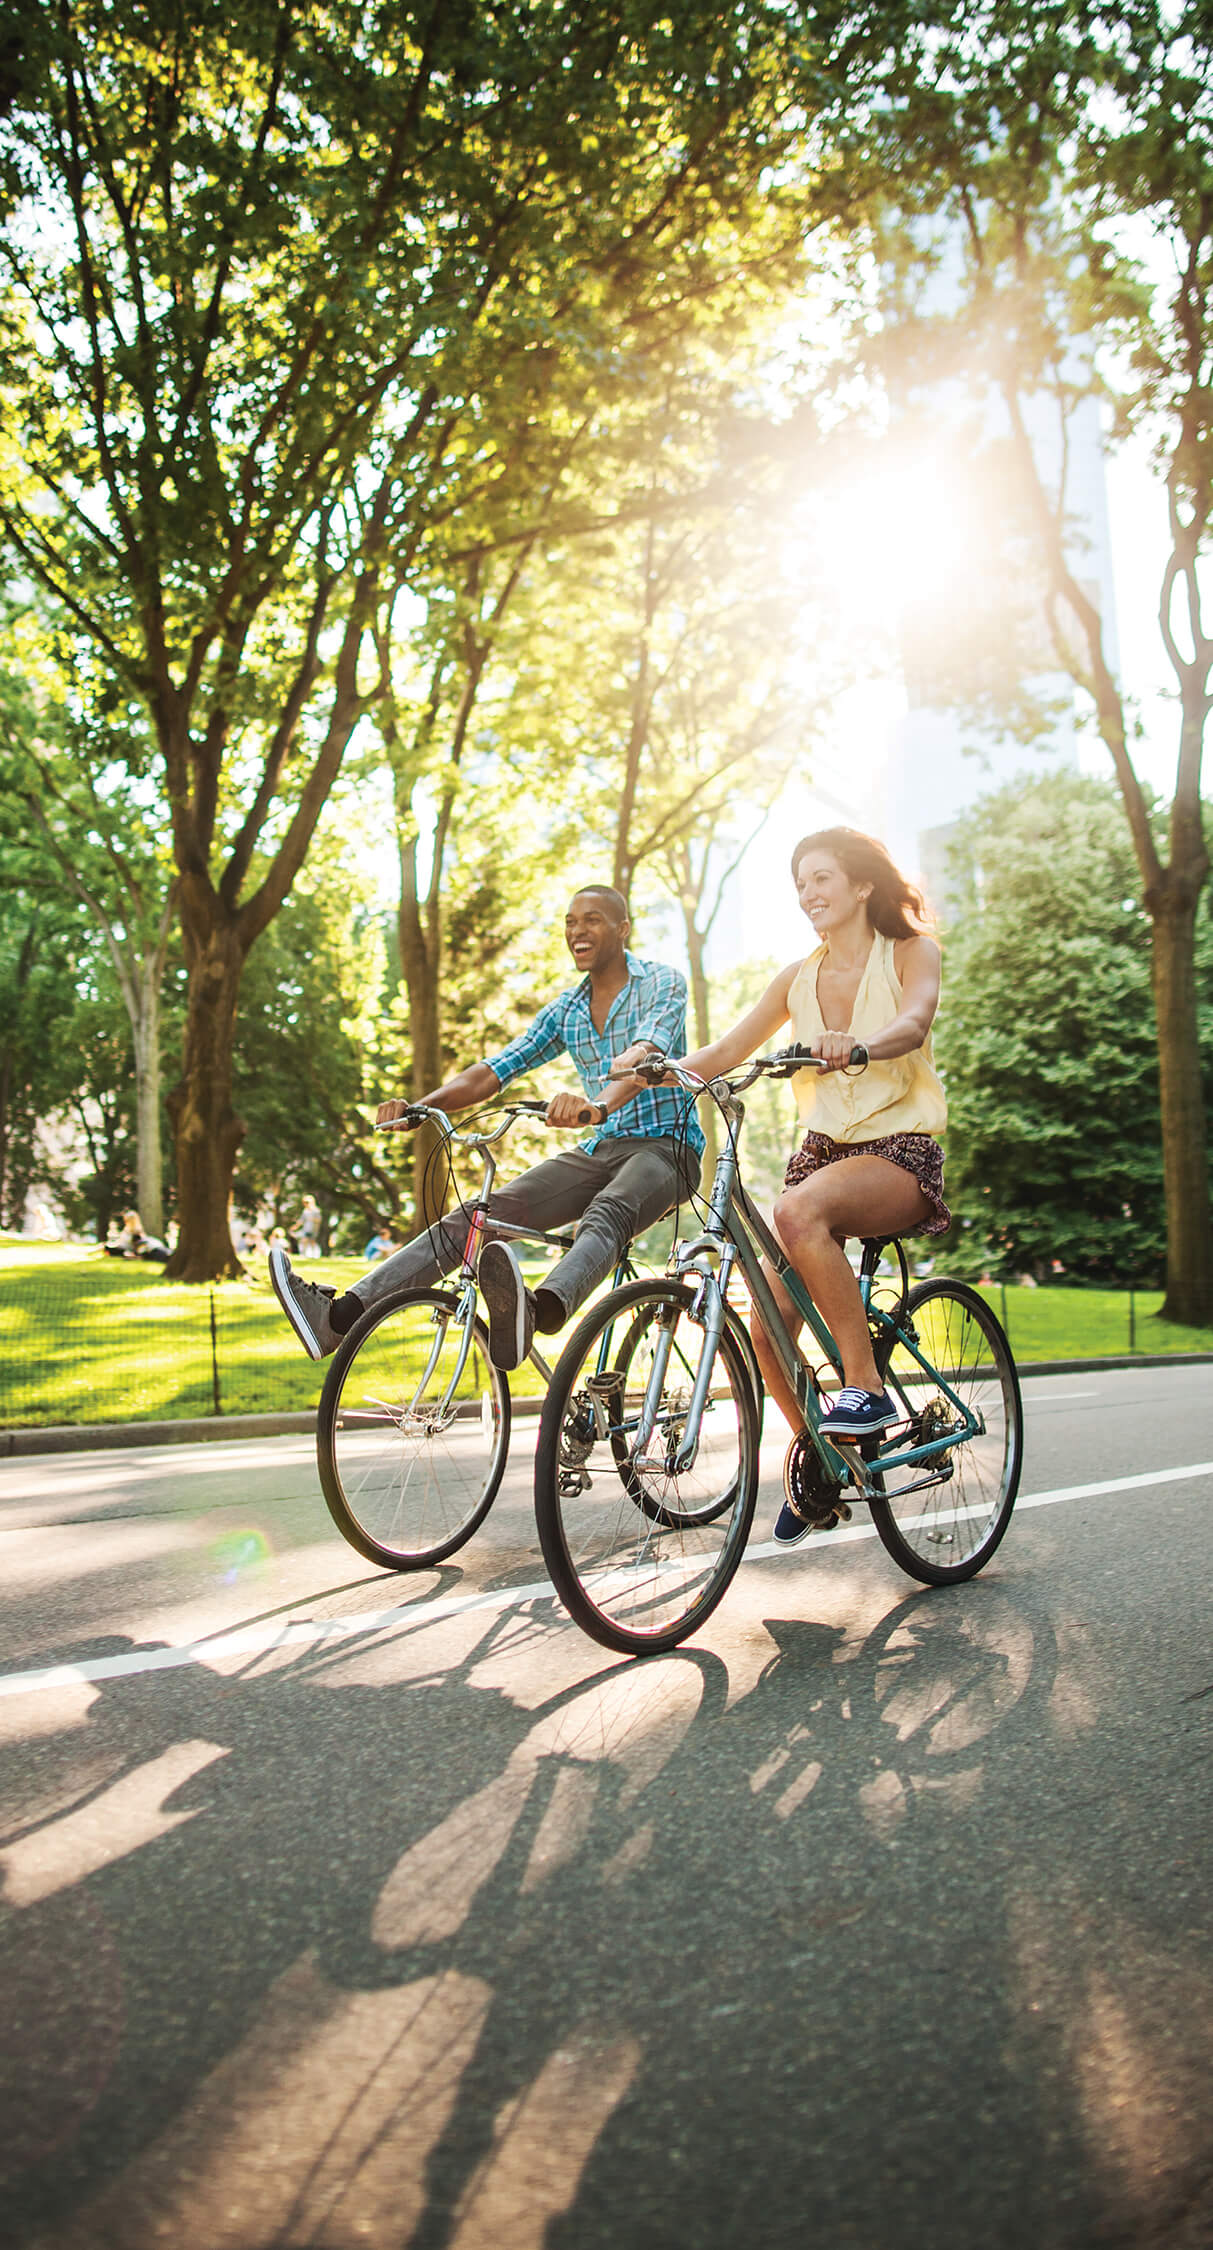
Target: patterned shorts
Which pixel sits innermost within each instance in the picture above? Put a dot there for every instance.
(918, 1153)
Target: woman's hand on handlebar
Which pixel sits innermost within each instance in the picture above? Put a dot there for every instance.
(628, 1065)
(836, 1050)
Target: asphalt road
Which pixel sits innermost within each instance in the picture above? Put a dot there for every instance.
(342, 1909)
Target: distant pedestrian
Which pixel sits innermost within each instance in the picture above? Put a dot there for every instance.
(307, 1228)
(133, 1242)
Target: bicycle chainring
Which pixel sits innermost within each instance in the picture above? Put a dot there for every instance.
(809, 1489)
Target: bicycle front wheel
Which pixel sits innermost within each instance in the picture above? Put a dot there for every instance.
(639, 1549)
(411, 1453)
(944, 1531)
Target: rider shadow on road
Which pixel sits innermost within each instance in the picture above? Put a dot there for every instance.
(406, 1953)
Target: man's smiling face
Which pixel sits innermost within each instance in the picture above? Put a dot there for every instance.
(594, 933)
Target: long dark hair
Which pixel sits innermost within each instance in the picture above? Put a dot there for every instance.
(895, 908)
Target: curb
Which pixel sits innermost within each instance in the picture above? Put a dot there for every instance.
(87, 1437)
(1096, 1366)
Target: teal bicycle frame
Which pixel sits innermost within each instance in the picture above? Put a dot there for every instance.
(736, 1235)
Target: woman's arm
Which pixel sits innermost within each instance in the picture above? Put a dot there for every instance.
(917, 962)
(763, 1018)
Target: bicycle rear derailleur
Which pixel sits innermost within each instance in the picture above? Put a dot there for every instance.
(591, 1415)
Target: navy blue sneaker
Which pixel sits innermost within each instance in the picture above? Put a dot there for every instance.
(859, 1414)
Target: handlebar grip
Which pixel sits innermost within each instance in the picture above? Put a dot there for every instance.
(412, 1115)
(799, 1057)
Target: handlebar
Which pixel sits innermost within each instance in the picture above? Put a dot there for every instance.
(421, 1113)
(782, 1064)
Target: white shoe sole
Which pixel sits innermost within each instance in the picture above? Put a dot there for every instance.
(280, 1283)
(506, 1305)
(855, 1430)
(793, 1538)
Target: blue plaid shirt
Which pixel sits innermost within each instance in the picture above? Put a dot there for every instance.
(652, 1005)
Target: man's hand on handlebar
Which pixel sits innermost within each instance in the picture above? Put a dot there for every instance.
(570, 1110)
(403, 1114)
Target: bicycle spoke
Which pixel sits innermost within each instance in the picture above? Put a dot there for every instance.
(410, 1454)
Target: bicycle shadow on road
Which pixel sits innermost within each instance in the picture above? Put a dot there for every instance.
(495, 1949)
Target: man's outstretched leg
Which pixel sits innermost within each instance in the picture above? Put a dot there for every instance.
(320, 1316)
(549, 1195)
(640, 1181)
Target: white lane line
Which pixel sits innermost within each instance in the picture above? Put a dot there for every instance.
(258, 1639)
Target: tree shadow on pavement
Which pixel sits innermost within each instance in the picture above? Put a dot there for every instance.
(506, 1950)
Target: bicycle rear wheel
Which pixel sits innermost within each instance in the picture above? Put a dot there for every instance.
(944, 1532)
(639, 1550)
(408, 1471)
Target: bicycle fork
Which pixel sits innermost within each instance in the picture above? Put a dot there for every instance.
(708, 1312)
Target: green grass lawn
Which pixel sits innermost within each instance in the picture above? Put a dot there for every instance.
(1090, 1323)
(86, 1338)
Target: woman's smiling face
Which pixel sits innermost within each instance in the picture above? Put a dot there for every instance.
(826, 893)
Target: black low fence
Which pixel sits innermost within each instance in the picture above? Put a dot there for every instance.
(95, 1340)
(86, 1339)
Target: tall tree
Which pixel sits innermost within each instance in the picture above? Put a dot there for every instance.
(1046, 1038)
(77, 760)
(306, 283)
(1029, 152)
(310, 999)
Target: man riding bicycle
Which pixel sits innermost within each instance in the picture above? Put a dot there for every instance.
(619, 1180)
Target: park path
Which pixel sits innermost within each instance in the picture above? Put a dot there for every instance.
(345, 1909)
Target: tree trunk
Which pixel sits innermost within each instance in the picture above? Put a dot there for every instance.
(6, 1074)
(145, 1029)
(1189, 1297)
(206, 1131)
(24, 966)
(419, 932)
(700, 1016)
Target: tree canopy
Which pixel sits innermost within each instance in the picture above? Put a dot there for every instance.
(1046, 1040)
(293, 298)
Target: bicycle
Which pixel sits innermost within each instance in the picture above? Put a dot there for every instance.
(645, 1491)
(413, 1427)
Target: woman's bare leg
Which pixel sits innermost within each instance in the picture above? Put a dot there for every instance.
(861, 1195)
(773, 1375)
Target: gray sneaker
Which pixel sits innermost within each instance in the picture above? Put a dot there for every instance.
(511, 1307)
(306, 1305)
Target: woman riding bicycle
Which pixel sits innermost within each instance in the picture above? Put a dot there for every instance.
(870, 1162)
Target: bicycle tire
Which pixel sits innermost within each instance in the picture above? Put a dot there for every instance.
(635, 1564)
(943, 1533)
(405, 1483)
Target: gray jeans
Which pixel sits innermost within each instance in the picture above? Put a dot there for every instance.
(618, 1191)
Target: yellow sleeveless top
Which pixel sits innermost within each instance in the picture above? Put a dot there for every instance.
(902, 1096)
